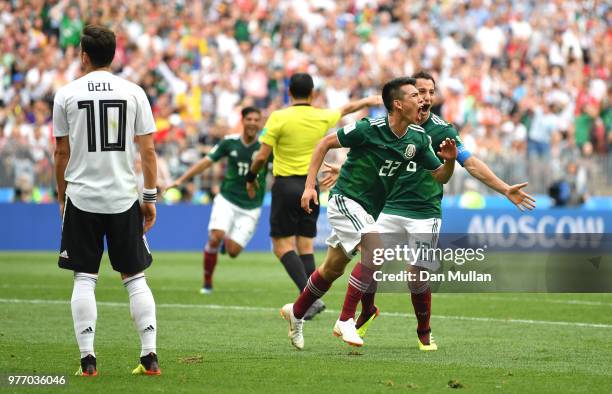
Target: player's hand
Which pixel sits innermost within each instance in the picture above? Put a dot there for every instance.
(448, 149)
(174, 184)
(310, 194)
(331, 175)
(518, 197)
(149, 212)
(252, 188)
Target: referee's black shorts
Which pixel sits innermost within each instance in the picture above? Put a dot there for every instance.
(287, 218)
(83, 240)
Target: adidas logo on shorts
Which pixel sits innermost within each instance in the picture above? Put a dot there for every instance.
(64, 254)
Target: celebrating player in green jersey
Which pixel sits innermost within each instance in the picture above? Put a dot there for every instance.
(378, 148)
(234, 215)
(414, 208)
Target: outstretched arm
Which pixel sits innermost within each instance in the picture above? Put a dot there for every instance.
(201, 166)
(479, 170)
(355, 106)
(310, 193)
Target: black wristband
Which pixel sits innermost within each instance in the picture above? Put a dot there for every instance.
(251, 176)
(149, 195)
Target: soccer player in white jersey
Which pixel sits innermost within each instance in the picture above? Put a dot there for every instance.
(97, 120)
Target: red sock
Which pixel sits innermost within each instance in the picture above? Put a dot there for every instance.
(210, 261)
(422, 310)
(315, 288)
(359, 281)
(367, 304)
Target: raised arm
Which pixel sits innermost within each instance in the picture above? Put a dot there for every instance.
(61, 156)
(448, 152)
(355, 106)
(479, 170)
(310, 193)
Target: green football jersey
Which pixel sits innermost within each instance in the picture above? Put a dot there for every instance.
(239, 157)
(375, 158)
(417, 195)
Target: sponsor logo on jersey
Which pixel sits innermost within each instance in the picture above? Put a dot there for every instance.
(233, 153)
(410, 151)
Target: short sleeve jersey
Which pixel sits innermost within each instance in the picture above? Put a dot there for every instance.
(293, 133)
(375, 158)
(416, 194)
(101, 114)
(239, 157)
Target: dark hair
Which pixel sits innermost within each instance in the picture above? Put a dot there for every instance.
(301, 85)
(393, 90)
(247, 110)
(99, 44)
(424, 75)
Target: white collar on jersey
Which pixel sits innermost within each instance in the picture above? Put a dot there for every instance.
(244, 142)
(397, 136)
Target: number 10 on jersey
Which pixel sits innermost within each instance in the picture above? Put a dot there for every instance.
(103, 107)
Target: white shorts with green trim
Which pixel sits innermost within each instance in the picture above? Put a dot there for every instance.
(420, 233)
(237, 223)
(348, 221)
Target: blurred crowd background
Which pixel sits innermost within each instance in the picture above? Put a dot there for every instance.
(527, 83)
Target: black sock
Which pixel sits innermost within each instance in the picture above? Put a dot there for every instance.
(309, 263)
(295, 268)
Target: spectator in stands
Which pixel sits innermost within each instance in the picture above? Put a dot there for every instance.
(572, 189)
(543, 126)
(201, 60)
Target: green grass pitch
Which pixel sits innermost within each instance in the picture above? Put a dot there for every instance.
(235, 341)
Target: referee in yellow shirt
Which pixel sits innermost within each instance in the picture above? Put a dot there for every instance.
(292, 134)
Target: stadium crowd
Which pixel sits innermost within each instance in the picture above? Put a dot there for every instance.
(527, 83)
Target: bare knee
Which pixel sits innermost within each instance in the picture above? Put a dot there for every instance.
(334, 265)
(232, 248)
(305, 245)
(282, 245)
(125, 276)
(330, 273)
(214, 238)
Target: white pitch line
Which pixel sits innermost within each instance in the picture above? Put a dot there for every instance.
(543, 300)
(437, 295)
(268, 309)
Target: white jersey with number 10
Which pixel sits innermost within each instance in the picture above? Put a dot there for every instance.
(101, 113)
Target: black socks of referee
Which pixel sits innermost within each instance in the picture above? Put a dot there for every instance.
(295, 268)
(309, 263)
